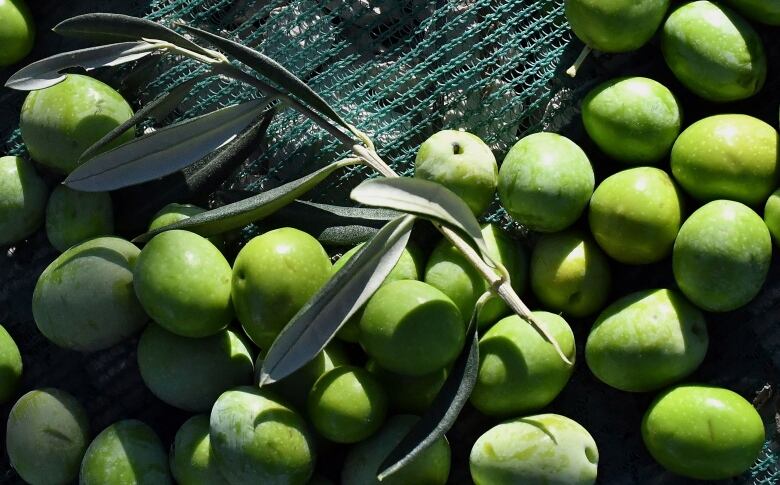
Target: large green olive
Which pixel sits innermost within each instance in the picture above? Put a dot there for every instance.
(732, 157)
(520, 371)
(544, 449)
(17, 31)
(430, 467)
(183, 283)
(274, 275)
(615, 25)
(347, 404)
(713, 51)
(545, 182)
(22, 199)
(461, 162)
(722, 256)
(632, 119)
(635, 215)
(191, 373)
(409, 394)
(10, 366)
(295, 387)
(450, 271)
(703, 432)
(84, 300)
(73, 217)
(46, 437)
(408, 267)
(256, 438)
(60, 122)
(126, 453)
(646, 341)
(411, 328)
(191, 457)
(570, 274)
(764, 11)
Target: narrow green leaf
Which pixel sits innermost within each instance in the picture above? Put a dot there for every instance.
(317, 322)
(165, 151)
(423, 198)
(444, 410)
(110, 27)
(274, 71)
(331, 224)
(46, 72)
(247, 211)
(158, 109)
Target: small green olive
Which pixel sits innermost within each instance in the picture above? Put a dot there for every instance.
(463, 163)
(17, 31)
(127, 452)
(615, 25)
(10, 366)
(191, 457)
(347, 404)
(47, 434)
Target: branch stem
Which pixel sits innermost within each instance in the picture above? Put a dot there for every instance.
(572, 71)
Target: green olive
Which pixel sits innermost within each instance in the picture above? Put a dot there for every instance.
(183, 282)
(191, 457)
(615, 25)
(274, 275)
(73, 217)
(47, 434)
(347, 404)
(409, 394)
(191, 373)
(60, 122)
(128, 452)
(22, 199)
(17, 31)
(411, 328)
(10, 366)
(84, 300)
(520, 371)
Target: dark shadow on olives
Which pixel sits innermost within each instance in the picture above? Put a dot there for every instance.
(507, 352)
(140, 445)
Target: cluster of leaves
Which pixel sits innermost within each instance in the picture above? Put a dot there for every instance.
(168, 150)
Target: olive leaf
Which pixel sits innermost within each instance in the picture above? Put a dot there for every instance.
(134, 206)
(46, 72)
(247, 211)
(272, 70)
(446, 407)
(159, 109)
(109, 27)
(423, 198)
(317, 322)
(165, 151)
(331, 224)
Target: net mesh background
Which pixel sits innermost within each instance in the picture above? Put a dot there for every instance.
(400, 70)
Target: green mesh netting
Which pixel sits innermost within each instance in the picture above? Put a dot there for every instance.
(401, 70)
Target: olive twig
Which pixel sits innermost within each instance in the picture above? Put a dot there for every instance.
(572, 71)
(497, 278)
(217, 57)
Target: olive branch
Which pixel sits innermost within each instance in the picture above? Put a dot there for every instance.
(124, 39)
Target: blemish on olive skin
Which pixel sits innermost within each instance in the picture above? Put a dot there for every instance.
(457, 149)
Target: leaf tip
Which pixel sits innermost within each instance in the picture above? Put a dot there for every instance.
(265, 379)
